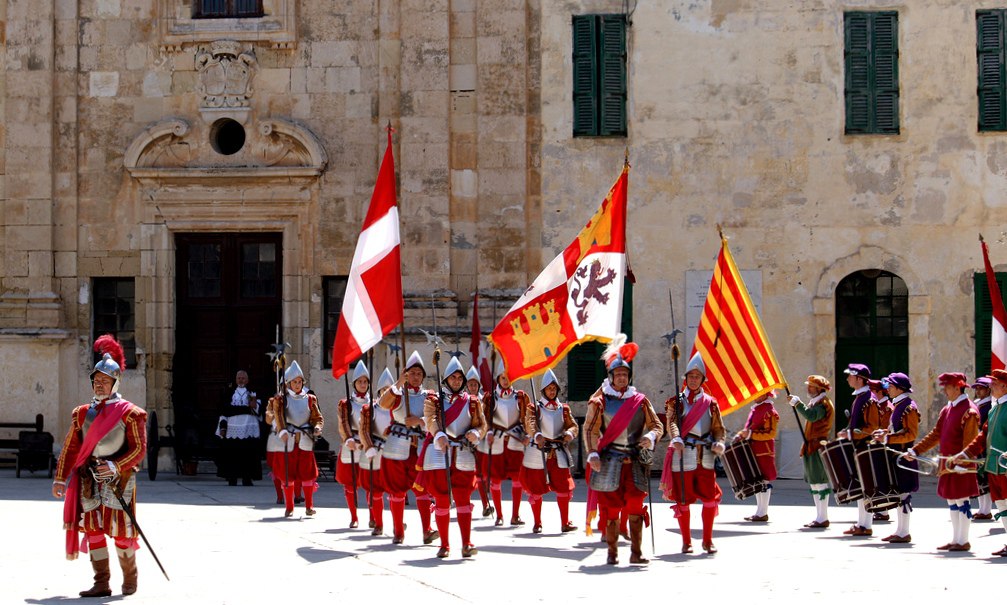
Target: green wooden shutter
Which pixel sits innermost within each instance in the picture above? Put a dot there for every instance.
(990, 64)
(858, 78)
(613, 75)
(984, 319)
(585, 76)
(885, 45)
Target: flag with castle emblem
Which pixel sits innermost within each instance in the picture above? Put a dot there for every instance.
(740, 364)
(578, 297)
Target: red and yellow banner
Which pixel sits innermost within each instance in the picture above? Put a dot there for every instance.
(578, 297)
(740, 364)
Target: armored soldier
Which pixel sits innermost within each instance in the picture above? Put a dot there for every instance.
(547, 462)
(474, 386)
(454, 423)
(348, 415)
(375, 422)
(405, 399)
(501, 453)
(697, 435)
(957, 426)
(818, 414)
(297, 421)
(620, 430)
(101, 453)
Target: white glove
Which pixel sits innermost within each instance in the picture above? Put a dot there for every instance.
(794, 400)
(371, 452)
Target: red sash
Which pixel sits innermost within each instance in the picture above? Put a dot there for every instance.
(452, 413)
(104, 422)
(621, 419)
(699, 407)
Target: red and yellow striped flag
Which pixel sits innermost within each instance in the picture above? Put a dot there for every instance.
(740, 364)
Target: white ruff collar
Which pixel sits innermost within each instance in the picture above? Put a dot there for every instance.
(606, 388)
(817, 398)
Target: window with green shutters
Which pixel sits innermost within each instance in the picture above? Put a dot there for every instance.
(984, 319)
(599, 75)
(990, 64)
(584, 368)
(872, 72)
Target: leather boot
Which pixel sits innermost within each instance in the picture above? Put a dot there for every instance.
(127, 561)
(612, 538)
(635, 540)
(101, 574)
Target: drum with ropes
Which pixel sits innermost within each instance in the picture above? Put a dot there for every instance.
(876, 470)
(743, 470)
(840, 465)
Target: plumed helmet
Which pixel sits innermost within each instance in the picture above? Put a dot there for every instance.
(472, 374)
(113, 359)
(293, 371)
(548, 378)
(696, 363)
(415, 360)
(619, 353)
(385, 380)
(360, 371)
(454, 367)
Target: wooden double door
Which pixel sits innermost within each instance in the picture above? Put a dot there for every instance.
(228, 309)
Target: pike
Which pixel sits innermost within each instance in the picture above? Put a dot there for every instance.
(353, 461)
(675, 354)
(132, 519)
(440, 401)
(280, 367)
(370, 472)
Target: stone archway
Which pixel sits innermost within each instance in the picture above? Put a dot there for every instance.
(824, 309)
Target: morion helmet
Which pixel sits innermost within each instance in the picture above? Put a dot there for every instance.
(113, 359)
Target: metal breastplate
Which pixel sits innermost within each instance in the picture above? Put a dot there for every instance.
(550, 421)
(633, 432)
(112, 443)
(355, 406)
(705, 422)
(463, 422)
(381, 419)
(297, 412)
(413, 406)
(506, 412)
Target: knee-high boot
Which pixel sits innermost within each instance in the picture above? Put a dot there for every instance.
(612, 538)
(127, 561)
(99, 561)
(636, 540)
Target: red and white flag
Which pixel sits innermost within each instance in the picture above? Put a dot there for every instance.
(479, 350)
(372, 304)
(998, 337)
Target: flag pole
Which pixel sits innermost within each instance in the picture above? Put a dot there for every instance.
(401, 359)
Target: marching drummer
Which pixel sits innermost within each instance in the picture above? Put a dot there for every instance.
(879, 394)
(957, 426)
(818, 414)
(984, 402)
(900, 434)
(760, 430)
(863, 423)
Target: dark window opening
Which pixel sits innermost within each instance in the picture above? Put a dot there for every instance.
(223, 9)
(227, 136)
(113, 303)
(334, 288)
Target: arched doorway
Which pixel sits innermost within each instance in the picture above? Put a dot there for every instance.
(872, 327)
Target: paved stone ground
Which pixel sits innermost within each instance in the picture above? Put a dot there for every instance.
(225, 544)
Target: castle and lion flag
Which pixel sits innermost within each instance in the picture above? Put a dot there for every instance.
(578, 297)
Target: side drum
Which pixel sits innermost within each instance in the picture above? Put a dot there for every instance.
(840, 465)
(876, 469)
(742, 470)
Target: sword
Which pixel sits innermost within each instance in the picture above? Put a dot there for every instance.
(132, 519)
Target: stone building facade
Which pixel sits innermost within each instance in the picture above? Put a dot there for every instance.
(139, 140)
